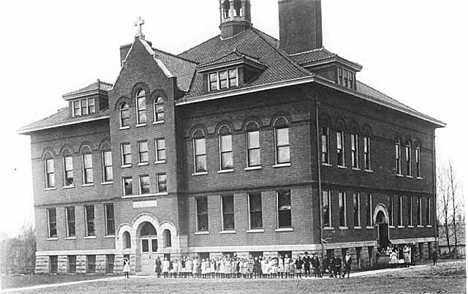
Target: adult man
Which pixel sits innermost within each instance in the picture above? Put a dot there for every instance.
(348, 260)
(306, 261)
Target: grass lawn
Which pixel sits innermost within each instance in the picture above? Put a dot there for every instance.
(445, 278)
(21, 281)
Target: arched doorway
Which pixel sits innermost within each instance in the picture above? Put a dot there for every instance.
(382, 227)
(148, 247)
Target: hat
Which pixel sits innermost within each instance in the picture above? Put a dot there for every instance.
(306, 252)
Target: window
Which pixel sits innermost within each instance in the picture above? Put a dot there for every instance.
(340, 150)
(282, 141)
(326, 202)
(398, 156)
(325, 144)
(225, 148)
(213, 81)
(400, 211)
(167, 238)
(70, 216)
(124, 115)
(141, 107)
(110, 258)
(418, 161)
(127, 241)
(390, 210)
(410, 212)
(107, 172)
(369, 211)
(76, 108)
(110, 223)
(53, 260)
(253, 145)
(91, 106)
(87, 166)
(408, 158)
(143, 152)
(68, 169)
(160, 150)
(199, 152)
(429, 212)
(89, 216)
(49, 172)
(52, 220)
(90, 264)
(255, 211)
(126, 154)
(127, 186)
(420, 211)
(367, 153)
(342, 206)
(71, 264)
(357, 209)
(159, 110)
(227, 203)
(223, 79)
(340, 76)
(162, 183)
(84, 107)
(284, 209)
(144, 184)
(202, 214)
(354, 151)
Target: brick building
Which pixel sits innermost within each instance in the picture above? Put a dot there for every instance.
(242, 144)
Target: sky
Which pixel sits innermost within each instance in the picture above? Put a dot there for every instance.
(414, 51)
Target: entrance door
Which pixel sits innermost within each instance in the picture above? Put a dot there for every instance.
(383, 235)
(148, 248)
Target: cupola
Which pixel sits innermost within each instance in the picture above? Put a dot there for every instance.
(235, 17)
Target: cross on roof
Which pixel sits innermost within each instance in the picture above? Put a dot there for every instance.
(139, 23)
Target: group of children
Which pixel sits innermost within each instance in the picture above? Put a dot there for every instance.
(259, 267)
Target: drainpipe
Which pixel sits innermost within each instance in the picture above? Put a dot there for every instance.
(319, 174)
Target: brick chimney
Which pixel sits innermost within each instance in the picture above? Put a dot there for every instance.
(300, 24)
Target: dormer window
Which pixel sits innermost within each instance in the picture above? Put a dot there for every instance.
(84, 107)
(223, 79)
(346, 78)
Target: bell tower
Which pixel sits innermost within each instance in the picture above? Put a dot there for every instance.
(234, 17)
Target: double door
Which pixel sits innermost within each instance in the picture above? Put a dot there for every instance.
(149, 248)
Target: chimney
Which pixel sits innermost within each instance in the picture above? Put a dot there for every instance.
(300, 24)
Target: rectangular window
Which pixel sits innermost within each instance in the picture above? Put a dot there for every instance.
(351, 80)
(398, 157)
(127, 183)
(223, 79)
(162, 183)
(357, 209)
(88, 168)
(227, 203)
(143, 152)
(369, 211)
(420, 211)
(107, 172)
(340, 76)
(325, 145)
(284, 209)
(345, 74)
(418, 161)
(400, 210)
(213, 81)
(71, 264)
(342, 206)
(126, 154)
(233, 80)
(50, 173)
(70, 216)
(110, 222)
(84, 107)
(429, 212)
(53, 260)
(408, 159)
(89, 216)
(253, 148)
(340, 150)
(225, 147)
(110, 258)
(367, 153)
(144, 184)
(141, 110)
(410, 211)
(327, 215)
(160, 150)
(200, 155)
(202, 214)
(68, 168)
(354, 151)
(282, 145)
(90, 264)
(91, 106)
(255, 210)
(52, 220)
(390, 210)
(76, 108)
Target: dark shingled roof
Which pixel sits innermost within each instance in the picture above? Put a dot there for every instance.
(96, 86)
(312, 56)
(233, 56)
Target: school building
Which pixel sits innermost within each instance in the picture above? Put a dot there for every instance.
(244, 144)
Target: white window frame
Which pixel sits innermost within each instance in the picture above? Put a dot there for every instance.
(340, 136)
(278, 211)
(49, 223)
(141, 111)
(327, 193)
(106, 219)
(409, 163)
(229, 77)
(124, 107)
(418, 161)
(198, 214)
(122, 152)
(87, 233)
(105, 165)
(158, 101)
(249, 195)
(67, 221)
(66, 171)
(355, 150)
(369, 211)
(49, 174)
(196, 155)
(223, 152)
(250, 148)
(159, 149)
(123, 186)
(342, 201)
(358, 202)
(86, 180)
(325, 145)
(142, 152)
(367, 153)
(277, 147)
(398, 157)
(140, 187)
(158, 181)
(233, 214)
(410, 210)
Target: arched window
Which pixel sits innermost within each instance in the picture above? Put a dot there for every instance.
(141, 107)
(159, 110)
(68, 168)
(408, 158)
(124, 115)
(325, 150)
(367, 152)
(398, 156)
(199, 151)
(225, 148)
(238, 7)
(340, 146)
(418, 160)
(355, 150)
(167, 238)
(226, 8)
(282, 141)
(127, 241)
(87, 166)
(253, 145)
(49, 170)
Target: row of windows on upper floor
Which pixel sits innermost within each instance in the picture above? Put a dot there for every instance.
(141, 110)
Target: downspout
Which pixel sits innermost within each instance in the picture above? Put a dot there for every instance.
(319, 174)
(434, 191)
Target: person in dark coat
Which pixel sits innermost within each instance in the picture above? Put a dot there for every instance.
(434, 257)
(316, 265)
(306, 261)
(348, 260)
(298, 264)
(337, 269)
(329, 264)
(158, 268)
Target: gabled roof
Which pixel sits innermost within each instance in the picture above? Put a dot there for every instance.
(95, 88)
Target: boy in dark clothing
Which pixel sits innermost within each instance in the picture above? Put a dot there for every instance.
(316, 265)
(337, 267)
(306, 261)
(298, 265)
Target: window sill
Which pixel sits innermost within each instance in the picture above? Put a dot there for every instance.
(370, 227)
(369, 171)
(409, 177)
(225, 171)
(419, 178)
(109, 237)
(357, 228)
(70, 238)
(125, 128)
(143, 164)
(391, 227)
(52, 239)
(161, 194)
(429, 226)
(420, 226)
(256, 231)
(399, 175)
(326, 164)
(90, 237)
(140, 125)
(282, 165)
(228, 232)
(158, 122)
(284, 230)
(329, 228)
(342, 166)
(87, 185)
(200, 174)
(202, 233)
(344, 228)
(139, 196)
(401, 227)
(160, 162)
(411, 227)
(355, 168)
(126, 166)
(253, 168)
(69, 187)
(107, 183)
(50, 189)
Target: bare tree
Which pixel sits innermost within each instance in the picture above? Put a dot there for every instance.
(443, 197)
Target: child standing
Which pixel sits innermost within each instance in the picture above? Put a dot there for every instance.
(126, 268)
